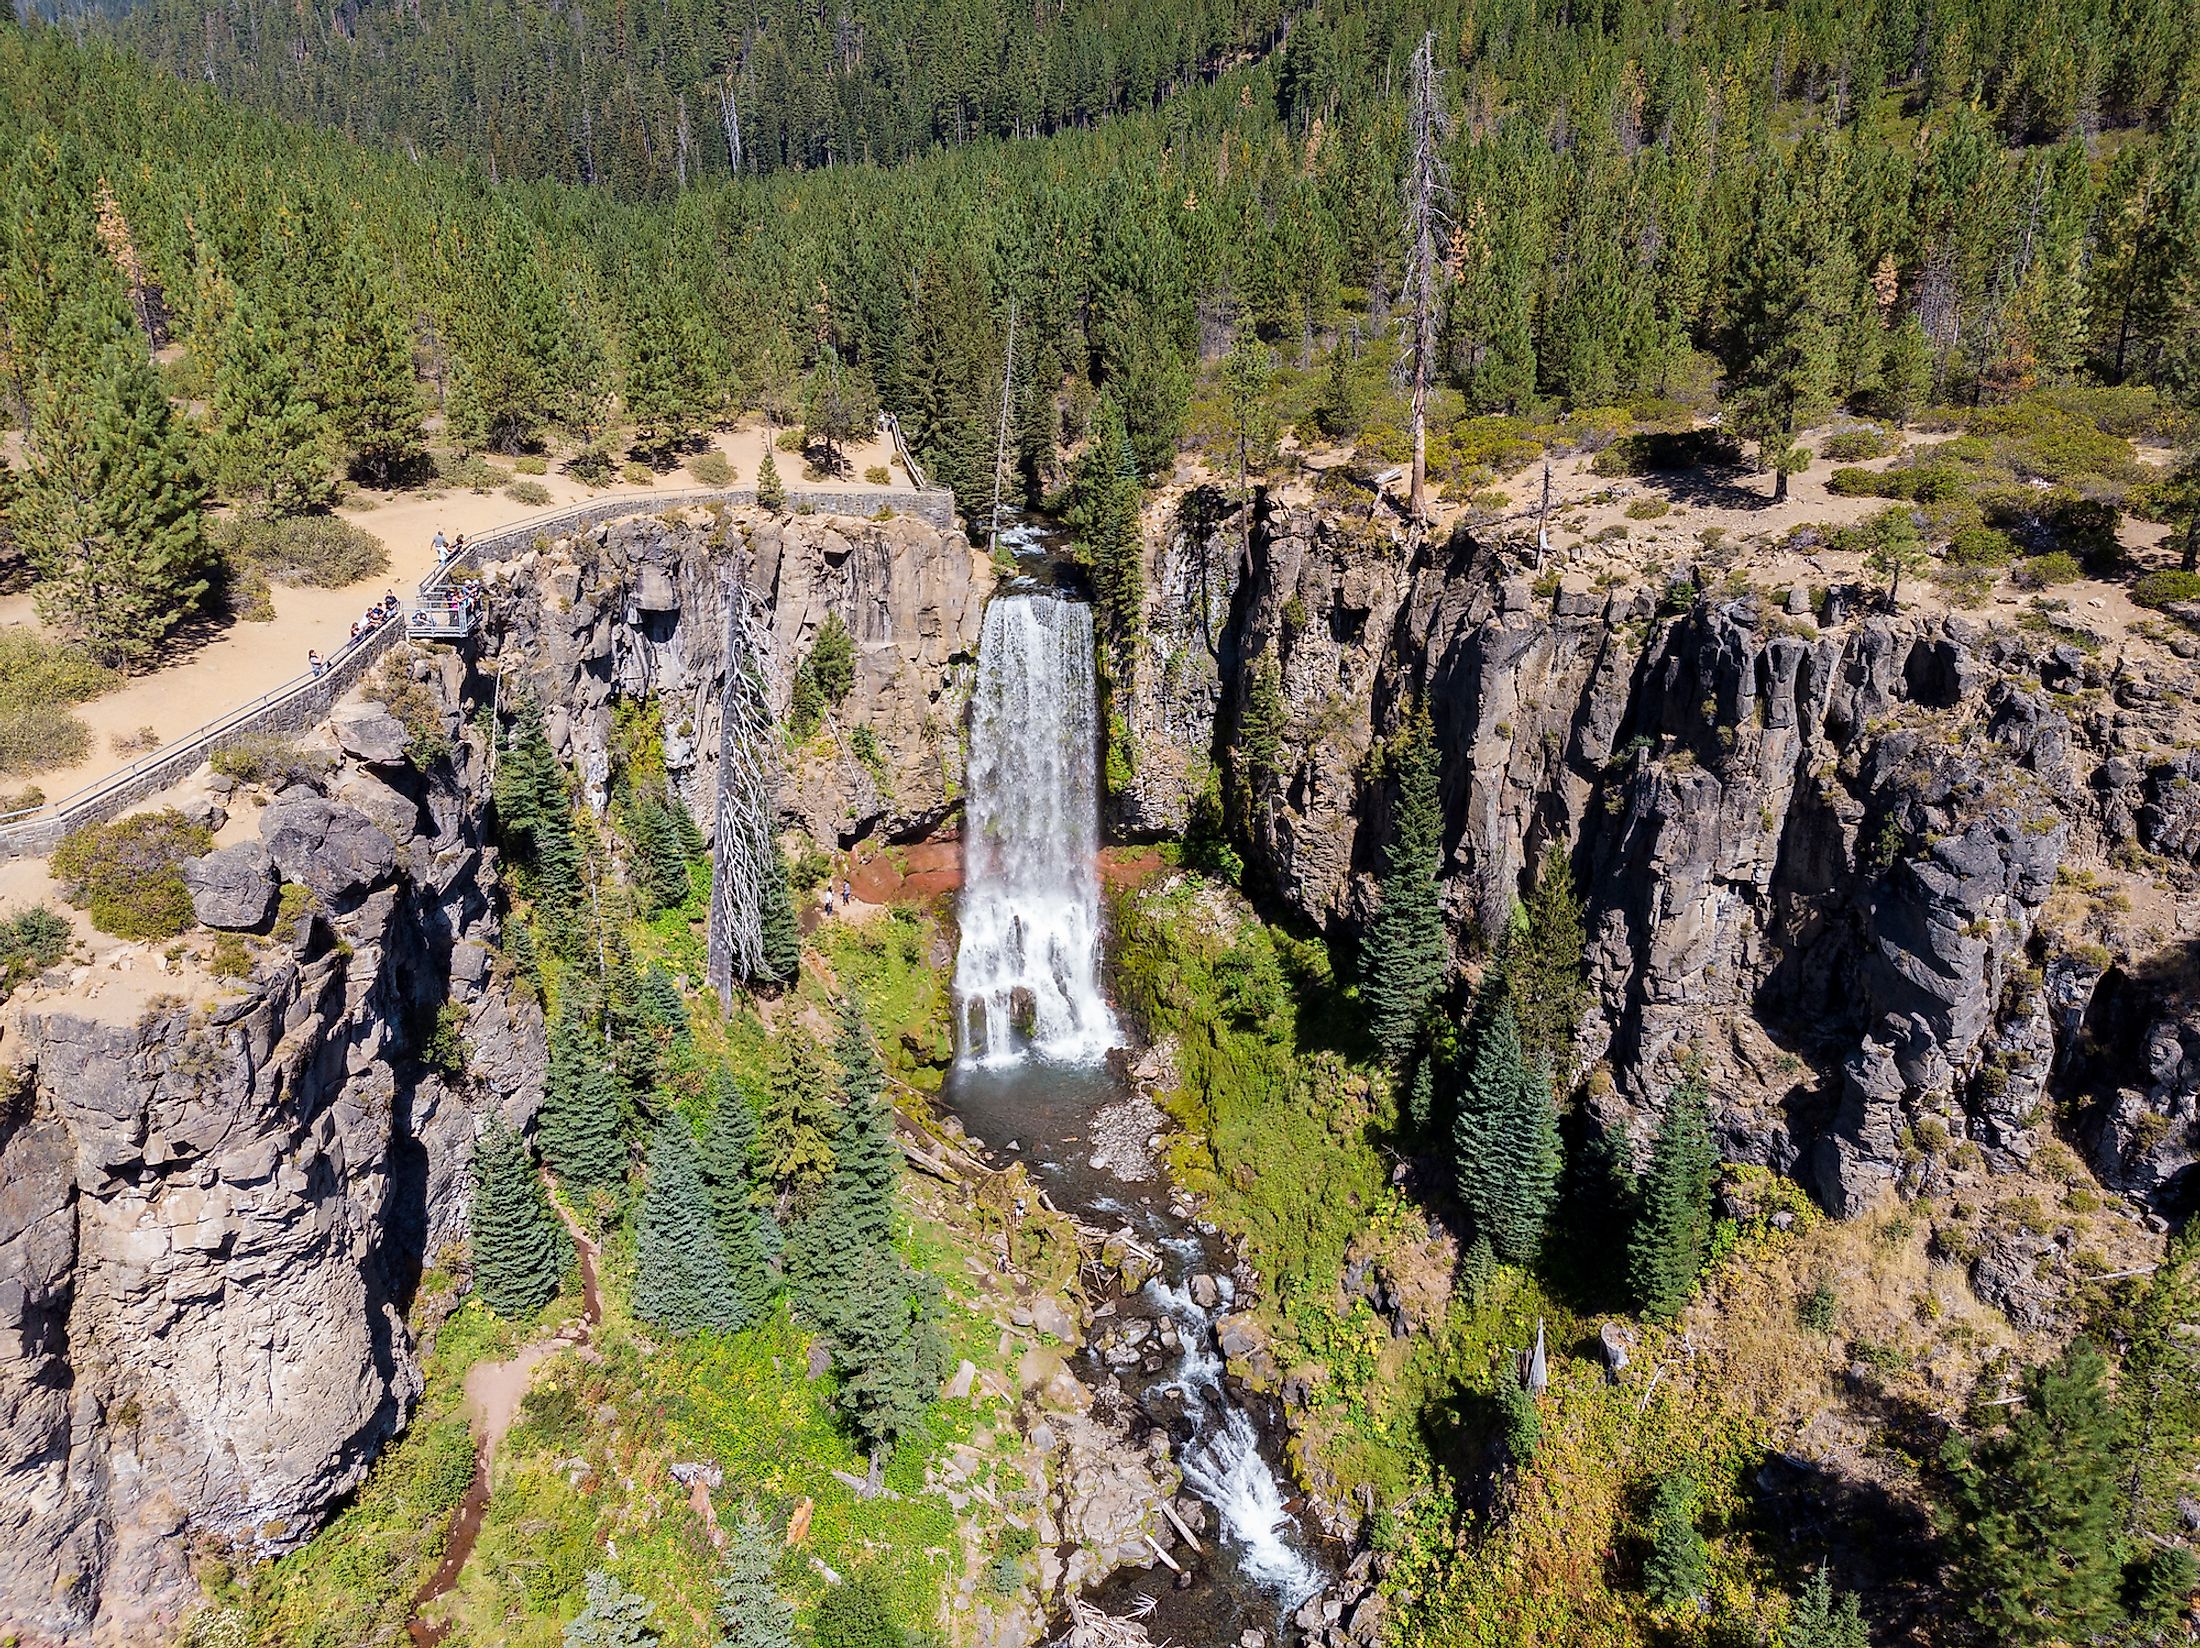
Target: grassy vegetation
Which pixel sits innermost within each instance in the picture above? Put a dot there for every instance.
(31, 940)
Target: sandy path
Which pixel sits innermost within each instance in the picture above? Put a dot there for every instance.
(245, 660)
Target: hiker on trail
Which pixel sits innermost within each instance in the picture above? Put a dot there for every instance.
(441, 546)
(847, 892)
(355, 629)
(314, 664)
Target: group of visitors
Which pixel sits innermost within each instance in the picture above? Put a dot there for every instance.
(461, 605)
(847, 893)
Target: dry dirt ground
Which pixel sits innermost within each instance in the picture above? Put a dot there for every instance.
(233, 665)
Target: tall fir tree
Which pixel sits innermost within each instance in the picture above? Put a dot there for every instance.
(890, 1352)
(109, 512)
(1672, 1234)
(681, 1279)
(1403, 957)
(824, 1261)
(372, 398)
(1544, 973)
(2035, 1511)
(579, 1129)
(1505, 1142)
(771, 491)
(866, 1158)
(782, 934)
(752, 1612)
(726, 1163)
(519, 1246)
(800, 1121)
(270, 442)
(2158, 1390)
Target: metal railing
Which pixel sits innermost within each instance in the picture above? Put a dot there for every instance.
(30, 830)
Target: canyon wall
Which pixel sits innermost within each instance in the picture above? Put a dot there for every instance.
(1893, 876)
(639, 608)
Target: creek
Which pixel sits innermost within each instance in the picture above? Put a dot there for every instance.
(1040, 1075)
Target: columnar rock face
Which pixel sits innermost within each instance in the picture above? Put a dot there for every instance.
(639, 606)
(1819, 847)
(217, 1194)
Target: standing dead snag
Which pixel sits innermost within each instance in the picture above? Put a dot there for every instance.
(1426, 191)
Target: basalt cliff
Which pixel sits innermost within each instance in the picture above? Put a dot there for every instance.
(1895, 876)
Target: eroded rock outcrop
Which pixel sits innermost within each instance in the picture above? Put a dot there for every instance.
(217, 1193)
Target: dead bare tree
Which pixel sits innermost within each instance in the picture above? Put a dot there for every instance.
(1427, 192)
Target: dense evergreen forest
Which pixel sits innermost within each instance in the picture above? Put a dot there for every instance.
(1647, 206)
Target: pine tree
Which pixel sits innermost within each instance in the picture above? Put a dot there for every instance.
(1340, 413)
(1544, 975)
(1677, 1568)
(614, 1617)
(838, 406)
(519, 1246)
(2034, 1515)
(725, 1165)
(859, 1614)
(1505, 1142)
(1906, 374)
(866, 1159)
(666, 394)
(579, 1129)
(1105, 498)
(1666, 1251)
(372, 400)
(771, 493)
(661, 1004)
(1403, 958)
(270, 444)
(2158, 1389)
(824, 1261)
(782, 935)
(661, 866)
(109, 513)
(1825, 1618)
(800, 1121)
(752, 1612)
(681, 1279)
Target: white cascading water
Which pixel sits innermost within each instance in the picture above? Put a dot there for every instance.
(1031, 877)
(1223, 1461)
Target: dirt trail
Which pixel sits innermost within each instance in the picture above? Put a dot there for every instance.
(494, 1391)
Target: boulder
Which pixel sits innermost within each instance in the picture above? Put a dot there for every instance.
(368, 732)
(335, 851)
(233, 888)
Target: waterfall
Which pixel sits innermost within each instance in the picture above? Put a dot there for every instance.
(1028, 972)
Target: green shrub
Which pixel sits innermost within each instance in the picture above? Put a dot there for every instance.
(2043, 571)
(531, 493)
(127, 875)
(2040, 440)
(712, 467)
(878, 475)
(636, 474)
(263, 758)
(2159, 589)
(532, 464)
(1647, 509)
(38, 675)
(1855, 483)
(1852, 445)
(1657, 451)
(1981, 547)
(232, 957)
(31, 941)
(317, 550)
(471, 470)
(39, 737)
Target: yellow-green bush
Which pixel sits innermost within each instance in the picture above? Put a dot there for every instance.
(127, 875)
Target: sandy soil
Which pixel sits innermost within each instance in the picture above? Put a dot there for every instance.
(232, 666)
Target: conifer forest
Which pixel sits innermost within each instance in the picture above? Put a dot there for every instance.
(1220, 823)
